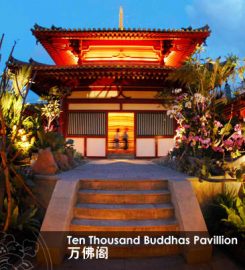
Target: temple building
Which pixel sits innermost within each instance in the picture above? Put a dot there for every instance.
(113, 77)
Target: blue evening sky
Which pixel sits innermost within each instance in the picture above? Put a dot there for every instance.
(225, 18)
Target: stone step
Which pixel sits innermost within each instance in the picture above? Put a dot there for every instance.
(124, 184)
(121, 156)
(165, 225)
(123, 211)
(123, 196)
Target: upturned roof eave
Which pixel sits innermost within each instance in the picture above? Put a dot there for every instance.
(37, 28)
(41, 66)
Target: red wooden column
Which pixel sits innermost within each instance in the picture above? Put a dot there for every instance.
(63, 117)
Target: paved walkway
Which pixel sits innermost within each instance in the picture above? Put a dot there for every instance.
(122, 169)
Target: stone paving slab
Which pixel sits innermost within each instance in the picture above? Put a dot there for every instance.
(122, 169)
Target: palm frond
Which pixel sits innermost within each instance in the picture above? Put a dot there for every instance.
(21, 79)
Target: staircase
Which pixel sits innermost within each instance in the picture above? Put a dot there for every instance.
(120, 156)
(129, 206)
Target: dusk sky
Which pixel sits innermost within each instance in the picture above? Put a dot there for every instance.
(225, 18)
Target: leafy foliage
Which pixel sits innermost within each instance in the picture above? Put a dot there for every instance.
(11, 108)
(15, 136)
(51, 111)
(236, 215)
(202, 132)
(51, 139)
(22, 218)
(203, 75)
(226, 214)
(215, 212)
(21, 80)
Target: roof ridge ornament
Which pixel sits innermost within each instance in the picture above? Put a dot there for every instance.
(121, 18)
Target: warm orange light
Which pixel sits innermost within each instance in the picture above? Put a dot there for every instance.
(102, 94)
(170, 59)
(120, 121)
(24, 138)
(118, 53)
(73, 60)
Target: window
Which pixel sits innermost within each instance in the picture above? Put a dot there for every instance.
(83, 123)
(154, 124)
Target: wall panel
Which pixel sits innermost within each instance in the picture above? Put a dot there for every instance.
(78, 144)
(164, 145)
(96, 147)
(145, 147)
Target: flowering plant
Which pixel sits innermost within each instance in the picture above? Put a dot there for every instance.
(202, 132)
(203, 135)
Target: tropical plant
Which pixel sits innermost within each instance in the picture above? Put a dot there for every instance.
(225, 216)
(201, 76)
(22, 218)
(236, 215)
(14, 88)
(51, 111)
(214, 212)
(200, 129)
(202, 132)
(54, 140)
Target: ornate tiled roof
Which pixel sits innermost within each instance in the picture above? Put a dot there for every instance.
(41, 66)
(38, 28)
(73, 76)
(91, 45)
(138, 56)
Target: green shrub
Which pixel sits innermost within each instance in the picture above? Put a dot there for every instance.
(215, 213)
(226, 214)
(54, 140)
(236, 215)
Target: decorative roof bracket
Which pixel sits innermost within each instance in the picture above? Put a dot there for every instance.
(166, 46)
(75, 45)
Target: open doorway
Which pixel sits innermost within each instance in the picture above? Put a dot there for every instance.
(118, 123)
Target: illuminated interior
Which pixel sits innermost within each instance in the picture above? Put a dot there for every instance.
(102, 94)
(120, 121)
(116, 53)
